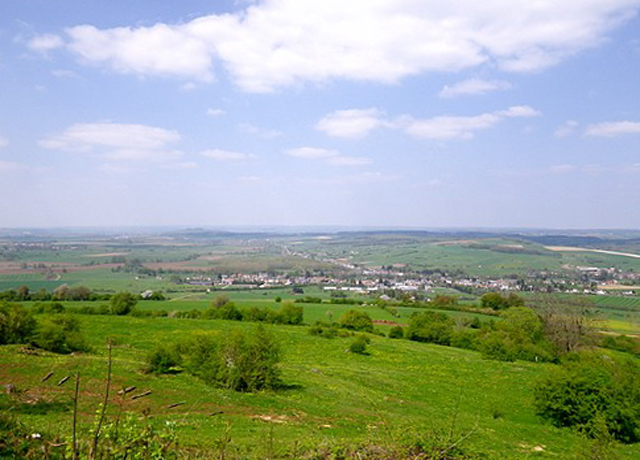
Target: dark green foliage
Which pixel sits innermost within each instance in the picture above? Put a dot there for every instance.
(290, 313)
(432, 327)
(122, 303)
(60, 334)
(16, 323)
(519, 336)
(45, 308)
(328, 331)
(226, 310)
(162, 359)
(467, 338)
(444, 301)
(238, 361)
(191, 314)
(497, 301)
(589, 387)
(396, 332)
(357, 321)
(309, 299)
(359, 345)
(622, 343)
(16, 442)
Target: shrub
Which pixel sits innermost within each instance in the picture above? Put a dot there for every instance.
(324, 330)
(16, 324)
(60, 334)
(290, 313)
(465, 338)
(162, 359)
(356, 320)
(622, 343)
(591, 387)
(432, 327)
(227, 310)
(359, 345)
(396, 332)
(122, 303)
(237, 361)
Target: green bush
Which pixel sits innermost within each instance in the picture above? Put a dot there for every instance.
(60, 334)
(519, 336)
(359, 345)
(357, 321)
(591, 387)
(16, 324)
(122, 303)
(238, 361)
(328, 331)
(162, 359)
(432, 327)
(226, 310)
(396, 332)
(622, 343)
(290, 313)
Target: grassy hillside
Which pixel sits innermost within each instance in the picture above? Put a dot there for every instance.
(332, 396)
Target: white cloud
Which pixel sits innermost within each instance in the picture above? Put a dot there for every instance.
(44, 43)
(312, 153)
(117, 142)
(260, 132)
(562, 169)
(3, 142)
(566, 129)
(613, 129)
(10, 166)
(451, 127)
(332, 157)
(358, 123)
(158, 50)
(349, 161)
(352, 124)
(62, 73)
(215, 112)
(473, 86)
(227, 155)
(276, 43)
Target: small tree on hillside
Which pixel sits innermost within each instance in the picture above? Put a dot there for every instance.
(122, 303)
(356, 320)
(568, 321)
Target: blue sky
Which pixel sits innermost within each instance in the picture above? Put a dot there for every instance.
(383, 113)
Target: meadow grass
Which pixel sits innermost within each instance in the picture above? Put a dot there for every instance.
(331, 395)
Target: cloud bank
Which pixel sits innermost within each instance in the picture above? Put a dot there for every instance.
(277, 43)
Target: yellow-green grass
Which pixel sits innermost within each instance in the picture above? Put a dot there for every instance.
(332, 395)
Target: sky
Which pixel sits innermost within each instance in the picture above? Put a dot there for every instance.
(365, 113)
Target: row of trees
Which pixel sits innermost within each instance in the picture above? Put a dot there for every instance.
(63, 293)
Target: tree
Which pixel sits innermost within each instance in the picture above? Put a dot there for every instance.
(237, 361)
(16, 323)
(429, 326)
(122, 303)
(356, 320)
(590, 388)
(568, 321)
(290, 313)
(60, 334)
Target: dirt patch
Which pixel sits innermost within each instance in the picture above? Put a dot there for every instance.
(386, 322)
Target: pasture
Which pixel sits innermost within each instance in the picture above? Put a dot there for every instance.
(331, 396)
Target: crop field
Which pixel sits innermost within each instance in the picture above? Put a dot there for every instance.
(332, 395)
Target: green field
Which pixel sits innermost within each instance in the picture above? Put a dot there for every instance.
(334, 396)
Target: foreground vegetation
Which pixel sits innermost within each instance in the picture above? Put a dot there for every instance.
(399, 399)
